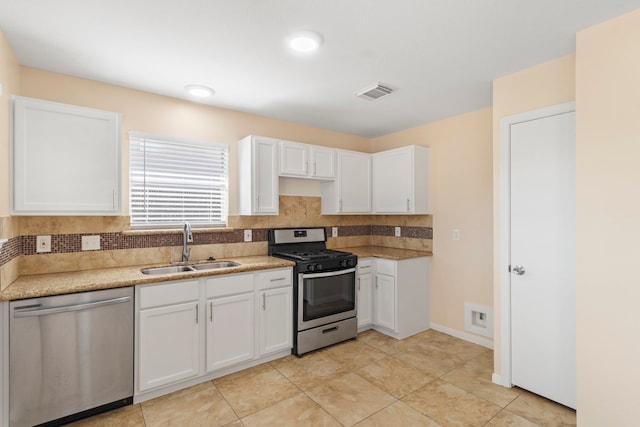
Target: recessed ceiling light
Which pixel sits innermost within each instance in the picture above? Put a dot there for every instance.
(304, 41)
(199, 91)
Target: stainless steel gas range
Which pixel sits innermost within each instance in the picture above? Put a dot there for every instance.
(324, 295)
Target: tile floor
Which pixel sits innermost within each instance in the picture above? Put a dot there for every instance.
(430, 379)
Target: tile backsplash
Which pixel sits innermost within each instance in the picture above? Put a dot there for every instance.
(120, 246)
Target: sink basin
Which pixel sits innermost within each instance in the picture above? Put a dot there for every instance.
(166, 270)
(215, 265)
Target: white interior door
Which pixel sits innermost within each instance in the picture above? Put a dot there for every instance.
(543, 295)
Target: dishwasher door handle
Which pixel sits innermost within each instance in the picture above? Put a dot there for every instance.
(68, 308)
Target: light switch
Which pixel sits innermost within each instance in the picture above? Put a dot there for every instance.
(456, 234)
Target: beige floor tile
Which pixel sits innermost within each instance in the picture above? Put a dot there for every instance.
(542, 411)
(201, 405)
(451, 345)
(353, 355)
(255, 388)
(382, 342)
(129, 416)
(311, 369)
(449, 405)
(350, 398)
(397, 415)
(297, 411)
(396, 377)
(481, 365)
(434, 366)
(481, 385)
(509, 419)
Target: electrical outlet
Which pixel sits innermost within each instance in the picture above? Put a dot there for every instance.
(334, 231)
(397, 232)
(248, 235)
(456, 234)
(43, 244)
(90, 243)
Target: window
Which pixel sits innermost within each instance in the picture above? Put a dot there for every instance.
(173, 180)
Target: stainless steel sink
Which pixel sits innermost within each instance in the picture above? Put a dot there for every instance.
(187, 268)
(166, 270)
(215, 265)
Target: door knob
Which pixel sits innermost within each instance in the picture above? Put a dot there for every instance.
(518, 269)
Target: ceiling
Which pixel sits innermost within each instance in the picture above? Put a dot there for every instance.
(441, 55)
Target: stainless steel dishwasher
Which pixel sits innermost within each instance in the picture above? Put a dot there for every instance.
(70, 356)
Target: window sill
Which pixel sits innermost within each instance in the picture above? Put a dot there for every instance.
(194, 230)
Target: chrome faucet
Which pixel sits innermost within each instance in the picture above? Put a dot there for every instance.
(187, 237)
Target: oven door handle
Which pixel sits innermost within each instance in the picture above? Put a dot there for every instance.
(328, 274)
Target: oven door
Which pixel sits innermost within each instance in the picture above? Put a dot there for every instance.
(326, 297)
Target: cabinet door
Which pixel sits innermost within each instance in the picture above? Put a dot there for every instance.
(392, 181)
(294, 159)
(385, 301)
(66, 159)
(169, 344)
(265, 177)
(354, 182)
(322, 161)
(365, 299)
(276, 313)
(230, 330)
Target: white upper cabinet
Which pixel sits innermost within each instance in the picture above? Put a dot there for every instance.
(258, 176)
(65, 159)
(401, 181)
(351, 191)
(306, 161)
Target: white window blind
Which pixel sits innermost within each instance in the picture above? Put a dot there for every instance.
(173, 180)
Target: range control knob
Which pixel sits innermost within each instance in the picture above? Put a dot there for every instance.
(318, 266)
(311, 267)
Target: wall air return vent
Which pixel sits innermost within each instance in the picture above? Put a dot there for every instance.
(375, 91)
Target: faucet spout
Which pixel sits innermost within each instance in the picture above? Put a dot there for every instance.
(187, 237)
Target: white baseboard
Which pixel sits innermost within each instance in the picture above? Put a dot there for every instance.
(497, 379)
(463, 335)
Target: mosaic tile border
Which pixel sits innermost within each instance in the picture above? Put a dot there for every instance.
(69, 243)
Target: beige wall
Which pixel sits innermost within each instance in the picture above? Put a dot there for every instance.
(460, 185)
(146, 112)
(10, 81)
(608, 210)
(546, 84)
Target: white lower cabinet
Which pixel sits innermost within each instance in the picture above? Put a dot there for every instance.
(276, 330)
(365, 292)
(168, 334)
(384, 297)
(230, 331)
(400, 296)
(190, 331)
(275, 307)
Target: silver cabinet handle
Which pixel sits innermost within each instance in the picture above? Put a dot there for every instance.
(408, 204)
(315, 169)
(68, 308)
(358, 284)
(278, 279)
(340, 205)
(518, 269)
(211, 311)
(264, 301)
(306, 167)
(197, 313)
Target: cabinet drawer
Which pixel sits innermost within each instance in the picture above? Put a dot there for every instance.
(169, 293)
(275, 278)
(229, 285)
(365, 265)
(385, 266)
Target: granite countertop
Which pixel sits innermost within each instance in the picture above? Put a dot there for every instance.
(394, 254)
(39, 285)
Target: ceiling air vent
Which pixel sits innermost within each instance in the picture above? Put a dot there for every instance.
(375, 91)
